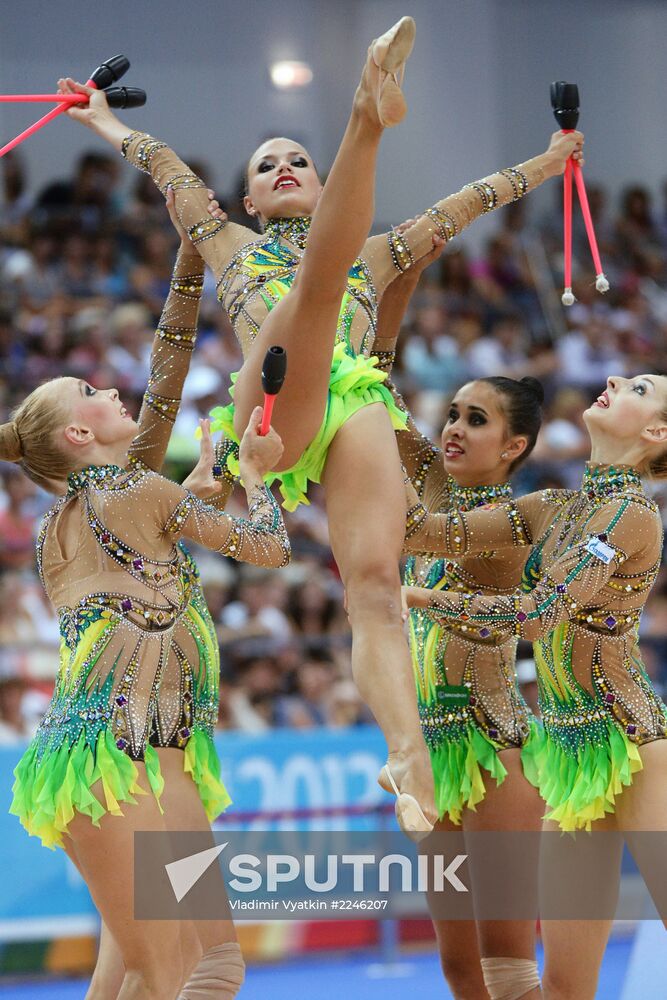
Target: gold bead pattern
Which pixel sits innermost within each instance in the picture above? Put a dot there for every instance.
(487, 193)
(205, 229)
(163, 406)
(444, 223)
(400, 251)
(518, 180)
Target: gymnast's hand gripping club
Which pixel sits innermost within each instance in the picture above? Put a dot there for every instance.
(565, 104)
(106, 73)
(273, 376)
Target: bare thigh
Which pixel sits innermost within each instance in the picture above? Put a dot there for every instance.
(105, 856)
(641, 813)
(304, 324)
(574, 949)
(365, 492)
(505, 868)
(183, 811)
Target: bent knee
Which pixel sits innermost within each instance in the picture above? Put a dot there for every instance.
(374, 589)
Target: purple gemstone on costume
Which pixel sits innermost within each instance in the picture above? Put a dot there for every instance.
(121, 700)
(521, 616)
(561, 588)
(603, 537)
(631, 729)
(138, 563)
(217, 470)
(493, 733)
(610, 622)
(126, 605)
(610, 698)
(121, 743)
(473, 700)
(184, 732)
(485, 633)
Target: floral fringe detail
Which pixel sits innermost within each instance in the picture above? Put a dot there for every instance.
(581, 787)
(355, 382)
(47, 792)
(202, 762)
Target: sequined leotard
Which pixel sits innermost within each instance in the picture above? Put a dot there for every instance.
(595, 555)
(254, 272)
(112, 566)
(468, 697)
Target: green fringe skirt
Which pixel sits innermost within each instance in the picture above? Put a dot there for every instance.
(50, 789)
(355, 382)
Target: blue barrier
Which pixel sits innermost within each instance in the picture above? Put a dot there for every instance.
(283, 769)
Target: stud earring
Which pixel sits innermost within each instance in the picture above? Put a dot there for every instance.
(503, 454)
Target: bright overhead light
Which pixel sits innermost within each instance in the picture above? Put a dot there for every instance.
(288, 75)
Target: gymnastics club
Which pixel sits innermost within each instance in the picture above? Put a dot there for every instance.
(273, 376)
(565, 104)
(106, 73)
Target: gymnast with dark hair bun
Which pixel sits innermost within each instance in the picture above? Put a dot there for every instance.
(479, 731)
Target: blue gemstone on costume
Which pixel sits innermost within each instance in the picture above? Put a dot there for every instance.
(561, 588)
(610, 622)
(121, 700)
(122, 744)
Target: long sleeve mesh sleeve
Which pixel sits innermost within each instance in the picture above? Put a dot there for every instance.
(577, 579)
(260, 539)
(457, 533)
(173, 345)
(216, 240)
(394, 252)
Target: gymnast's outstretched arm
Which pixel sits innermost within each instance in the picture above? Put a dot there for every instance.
(395, 252)
(215, 239)
(421, 459)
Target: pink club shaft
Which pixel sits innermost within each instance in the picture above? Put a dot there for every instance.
(586, 212)
(44, 121)
(35, 98)
(567, 223)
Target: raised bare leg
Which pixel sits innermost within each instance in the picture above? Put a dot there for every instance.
(365, 498)
(304, 322)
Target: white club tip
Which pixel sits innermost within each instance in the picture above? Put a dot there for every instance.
(601, 283)
(567, 298)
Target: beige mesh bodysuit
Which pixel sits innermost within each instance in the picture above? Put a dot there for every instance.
(594, 557)
(111, 564)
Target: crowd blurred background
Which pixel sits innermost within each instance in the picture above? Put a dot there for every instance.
(84, 270)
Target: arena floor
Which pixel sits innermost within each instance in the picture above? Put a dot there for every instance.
(355, 978)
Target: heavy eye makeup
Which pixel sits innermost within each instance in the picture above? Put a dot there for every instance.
(266, 165)
(641, 388)
(475, 419)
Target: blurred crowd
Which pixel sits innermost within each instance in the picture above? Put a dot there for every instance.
(84, 271)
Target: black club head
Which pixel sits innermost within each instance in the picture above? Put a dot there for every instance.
(565, 104)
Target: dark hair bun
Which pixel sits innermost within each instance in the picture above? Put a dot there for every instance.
(534, 386)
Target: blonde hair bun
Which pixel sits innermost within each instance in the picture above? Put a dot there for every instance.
(10, 443)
